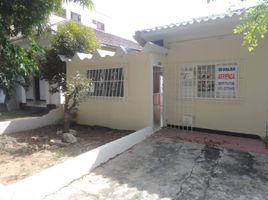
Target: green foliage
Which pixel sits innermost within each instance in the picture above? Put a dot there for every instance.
(60, 12)
(77, 88)
(16, 64)
(54, 70)
(22, 19)
(254, 25)
(69, 39)
(87, 3)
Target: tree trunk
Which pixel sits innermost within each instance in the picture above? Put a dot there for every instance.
(11, 103)
(66, 116)
(66, 122)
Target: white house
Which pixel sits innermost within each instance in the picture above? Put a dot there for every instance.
(210, 81)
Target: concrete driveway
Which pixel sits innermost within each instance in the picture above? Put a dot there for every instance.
(165, 168)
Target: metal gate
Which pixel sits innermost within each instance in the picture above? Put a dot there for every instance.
(186, 97)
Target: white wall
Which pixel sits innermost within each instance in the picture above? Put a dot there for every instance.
(30, 90)
(20, 94)
(28, 123)
(43, 89)
(2, 96)
(55, 98)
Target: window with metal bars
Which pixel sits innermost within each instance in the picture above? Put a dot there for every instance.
(210, 80)
(106, 82)
(205, 80)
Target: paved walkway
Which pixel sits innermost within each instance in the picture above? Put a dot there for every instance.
(165, 168)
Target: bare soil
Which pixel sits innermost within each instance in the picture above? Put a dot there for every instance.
(25, 153)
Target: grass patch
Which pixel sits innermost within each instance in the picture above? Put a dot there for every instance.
(60, 152)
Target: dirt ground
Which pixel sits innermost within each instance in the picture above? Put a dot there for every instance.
(26, 153)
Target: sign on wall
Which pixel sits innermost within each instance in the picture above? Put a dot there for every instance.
(226, 79)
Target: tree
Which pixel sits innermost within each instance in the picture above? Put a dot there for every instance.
(76, 91)
(16, 64)
(254, 25)
(69, 39)
(22, 19)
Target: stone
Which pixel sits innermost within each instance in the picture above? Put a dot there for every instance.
(59, 132)
(68, 137)
(73, 132)
(45, 137)
(58, 143)
(53, 147)
(46, 146)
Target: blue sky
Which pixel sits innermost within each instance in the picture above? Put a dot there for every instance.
(127, 16)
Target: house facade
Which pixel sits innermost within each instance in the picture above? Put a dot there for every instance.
(209, 80)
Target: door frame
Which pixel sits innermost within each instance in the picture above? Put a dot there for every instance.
(161, 96)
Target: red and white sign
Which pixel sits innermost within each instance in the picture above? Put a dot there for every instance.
(226, 78)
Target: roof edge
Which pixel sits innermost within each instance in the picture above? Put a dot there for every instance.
(140, 39)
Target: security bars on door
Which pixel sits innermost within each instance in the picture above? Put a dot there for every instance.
(210, 81)
(107, 83)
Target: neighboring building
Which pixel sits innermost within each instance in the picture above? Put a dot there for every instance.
(99, 22)
(92, 18)
(38, 93)
(210, 80)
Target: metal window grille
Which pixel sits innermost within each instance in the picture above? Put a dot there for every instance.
(218, 80)
(208, 81)
(107, 83)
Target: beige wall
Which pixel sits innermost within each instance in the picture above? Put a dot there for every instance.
(136, 110)
(246, 115)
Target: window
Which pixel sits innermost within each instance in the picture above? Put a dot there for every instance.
(205, 80)
(107, 82)
(210, 80)
(99, 25)
(76, 17)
